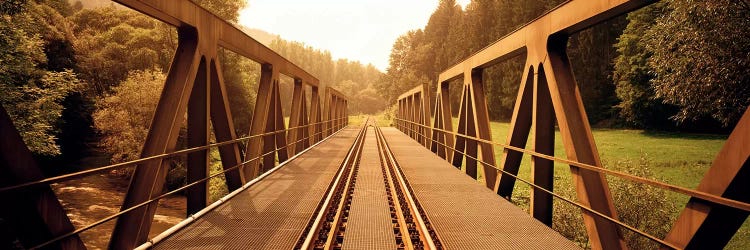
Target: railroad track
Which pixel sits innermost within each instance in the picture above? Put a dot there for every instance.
(411, 227)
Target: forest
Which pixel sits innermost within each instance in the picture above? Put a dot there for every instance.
(677, 65)
(86, 75)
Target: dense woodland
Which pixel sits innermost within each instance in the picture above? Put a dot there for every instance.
(82, 74)
(675, 65)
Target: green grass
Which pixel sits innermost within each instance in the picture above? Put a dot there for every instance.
(380, 119)
(675, 158)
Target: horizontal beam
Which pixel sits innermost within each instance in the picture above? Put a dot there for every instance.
(418, 89)
(188, 13)
(567, 18)
(334, 92)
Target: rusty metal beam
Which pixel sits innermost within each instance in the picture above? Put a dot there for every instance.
(591, 187)
(444, 119)
(35, 214)
(482, 125)
(705, 225)
(296, 118)
(518, 134)
(195, 83)
(315, 116)
(282, 151)
(460, 144)
(197, 135)
(268, 77)
(223, 124)
(188, 13)
(568, 18)
(533, 38)
(148, 179)
(542, 170)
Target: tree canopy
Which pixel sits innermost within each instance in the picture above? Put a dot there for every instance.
(663, 67)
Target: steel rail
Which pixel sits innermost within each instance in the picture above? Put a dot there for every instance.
(154, 157)
(157, 198)
(396, 203)
(654, 183)
(574, 203)
(318, 218)
(345, 193)
(413, 205)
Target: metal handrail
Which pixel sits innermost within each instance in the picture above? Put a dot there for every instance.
(574, 203)
(154, 157)
(654, 183)
(157, 198)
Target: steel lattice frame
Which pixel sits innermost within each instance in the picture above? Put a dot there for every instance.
(194, 86)
(548, 92)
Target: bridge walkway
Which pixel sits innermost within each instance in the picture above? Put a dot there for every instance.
(276, 211)
(465, 214)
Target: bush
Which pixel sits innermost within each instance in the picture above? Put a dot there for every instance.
(217, 186)
(641, 206)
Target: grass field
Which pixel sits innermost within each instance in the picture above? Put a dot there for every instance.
(679, 159)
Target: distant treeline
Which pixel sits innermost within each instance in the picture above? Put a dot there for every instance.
(677, 64)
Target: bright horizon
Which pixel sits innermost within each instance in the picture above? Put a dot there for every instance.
(361, 31)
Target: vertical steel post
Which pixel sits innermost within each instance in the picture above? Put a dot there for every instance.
(542, 171)
(35, 214)
(197, 136)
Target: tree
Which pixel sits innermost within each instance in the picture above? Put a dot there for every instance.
(241, 76)
(591, 54)
(32, 94)
(112, 42)
(124, 116)
(701, 59)
(226, 9)
(632, 75)
(403, 71)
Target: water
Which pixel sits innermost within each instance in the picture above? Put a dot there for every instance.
(92, 198)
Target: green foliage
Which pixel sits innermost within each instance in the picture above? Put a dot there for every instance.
(112, 42)
(217, 186)
(452, 34)
(632, 76)
(241, 76)
(125, 116)
(700, 59)
(32, 95)
(403, 71)
(12, 7)
(591, 54)
(642, 206)
(226, 9)
(36, 107)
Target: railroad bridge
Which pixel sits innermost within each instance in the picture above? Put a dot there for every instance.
(320, 183)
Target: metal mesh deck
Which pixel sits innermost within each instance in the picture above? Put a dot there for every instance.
(465, 214)
(369, 225)
(273, 213)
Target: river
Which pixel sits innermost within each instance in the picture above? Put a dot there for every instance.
(94, 197)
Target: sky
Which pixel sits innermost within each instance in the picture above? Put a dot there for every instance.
(359, 30)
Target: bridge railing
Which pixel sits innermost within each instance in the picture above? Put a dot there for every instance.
(194, 86)
(548, 93)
